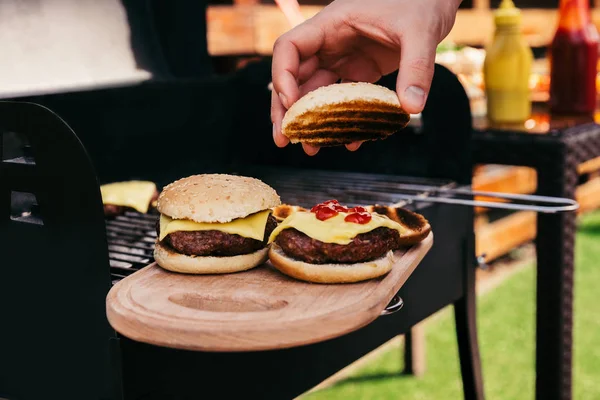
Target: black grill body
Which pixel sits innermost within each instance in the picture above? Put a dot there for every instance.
(163, 131)
(54, 341)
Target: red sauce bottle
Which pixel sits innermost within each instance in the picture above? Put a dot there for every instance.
(573, 60)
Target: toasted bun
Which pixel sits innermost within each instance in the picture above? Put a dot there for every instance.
(216, 198)
(417, 227)
(344, 113)
(177, 262)
(330, 273)
(283, 211)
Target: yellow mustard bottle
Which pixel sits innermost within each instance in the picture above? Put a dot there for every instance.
(507, 68)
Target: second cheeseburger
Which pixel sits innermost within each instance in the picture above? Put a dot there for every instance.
(214, 223)
(335, 244)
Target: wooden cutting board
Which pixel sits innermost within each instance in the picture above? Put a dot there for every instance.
(258, 309)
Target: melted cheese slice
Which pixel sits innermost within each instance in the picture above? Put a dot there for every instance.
(134, 194)
(252, 227)
(335, 229)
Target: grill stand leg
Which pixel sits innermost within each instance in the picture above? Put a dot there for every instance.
(555, 255)
(415, 361)
(465, 315)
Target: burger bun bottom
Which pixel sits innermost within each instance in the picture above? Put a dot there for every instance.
(177, 262)
(330, 273)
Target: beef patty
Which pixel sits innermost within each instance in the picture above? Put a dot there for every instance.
(364, 247)
(217, 243)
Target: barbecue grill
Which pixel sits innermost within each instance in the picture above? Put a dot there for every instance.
(60, 254)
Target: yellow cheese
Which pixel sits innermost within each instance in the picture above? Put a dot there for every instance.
(335, 229)
(134, 194)
(253, 226)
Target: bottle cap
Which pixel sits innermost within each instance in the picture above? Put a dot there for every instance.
(507, 14)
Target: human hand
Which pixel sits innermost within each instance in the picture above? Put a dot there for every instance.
(360, 41)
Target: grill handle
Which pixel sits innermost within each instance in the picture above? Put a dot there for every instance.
(519, 202)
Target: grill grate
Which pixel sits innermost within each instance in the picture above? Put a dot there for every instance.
(306, 188)
(131, 236)
(131, 240)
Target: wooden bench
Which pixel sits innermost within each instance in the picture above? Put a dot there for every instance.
(243, 30)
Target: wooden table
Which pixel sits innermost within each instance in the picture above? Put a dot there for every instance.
(557, 147)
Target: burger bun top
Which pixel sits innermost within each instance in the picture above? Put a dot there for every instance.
(217, 198)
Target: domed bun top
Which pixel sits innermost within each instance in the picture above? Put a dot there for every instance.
(216, 198)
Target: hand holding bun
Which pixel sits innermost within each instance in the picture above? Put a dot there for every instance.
(344, 113)
(360, 41)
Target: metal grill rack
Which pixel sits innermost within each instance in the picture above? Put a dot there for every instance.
(306, 187)
(309, 187)
(131, 240)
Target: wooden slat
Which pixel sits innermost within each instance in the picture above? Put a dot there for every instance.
(520, 180)
(500, 237)
(589, 166)
(271, 24)
(247, 29)
(506, 179)
(252, 29)
(476, 27)
(231, 30)
(588, 195)
(481, 220)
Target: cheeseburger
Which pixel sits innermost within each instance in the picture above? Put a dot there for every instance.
(343, 113)
(118, 197)
(335, 244)
(214, 223)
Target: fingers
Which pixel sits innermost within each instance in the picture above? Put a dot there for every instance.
(320, 78)
(359, 68)
(297, 45)
(417, 62)
(277, 113)
(310, 150)
(353, 146)
(307, 69)
(293, 62)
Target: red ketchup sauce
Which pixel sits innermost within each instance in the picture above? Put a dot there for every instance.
(331, 208)
(573, 58)
(358, 218)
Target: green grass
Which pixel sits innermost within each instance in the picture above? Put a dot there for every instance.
(506, 333)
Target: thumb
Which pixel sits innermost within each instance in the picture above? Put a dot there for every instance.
(417, 63)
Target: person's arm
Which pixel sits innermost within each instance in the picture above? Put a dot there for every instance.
(356, 40)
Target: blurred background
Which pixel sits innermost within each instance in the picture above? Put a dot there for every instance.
(501, 55)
